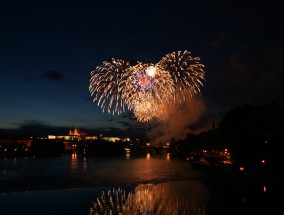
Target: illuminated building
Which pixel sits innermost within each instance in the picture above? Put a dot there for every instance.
(78, 135)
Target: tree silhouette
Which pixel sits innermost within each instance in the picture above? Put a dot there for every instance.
(253, 133)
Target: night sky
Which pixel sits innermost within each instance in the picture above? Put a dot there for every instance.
(48, 49)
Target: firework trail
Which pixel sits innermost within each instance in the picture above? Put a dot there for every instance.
(146, 89)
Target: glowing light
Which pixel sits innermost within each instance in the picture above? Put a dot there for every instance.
(74, 156)
(127, 151)
(74, 163)
(151, 71)
(148, 157)
(264, 189)
(127, 155)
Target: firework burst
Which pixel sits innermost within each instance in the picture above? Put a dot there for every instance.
(107, 85)
(186, 72)
(146, 89)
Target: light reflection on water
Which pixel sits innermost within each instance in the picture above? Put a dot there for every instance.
(171, 198)
(84, 165)
(76, 171)
(74, 163)
(127, 155)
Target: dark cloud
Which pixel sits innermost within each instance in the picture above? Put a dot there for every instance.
(113, 131)
(124, 123)
(36, 127)
(53, 76)
(128, 115)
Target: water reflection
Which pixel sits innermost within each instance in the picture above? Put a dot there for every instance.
(168, 157)
(35, 172)
(148, 156)
(74, 163)
(171, 198)
(127, 155)
(78, 164)
(84, 165)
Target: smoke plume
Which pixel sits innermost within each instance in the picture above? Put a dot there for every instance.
(178, 123)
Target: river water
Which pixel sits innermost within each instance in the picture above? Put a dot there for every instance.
(148, 184)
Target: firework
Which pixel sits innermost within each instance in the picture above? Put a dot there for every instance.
(186, 72)
(150, 109)
(147, 82)
(146, 89)
(107, 85)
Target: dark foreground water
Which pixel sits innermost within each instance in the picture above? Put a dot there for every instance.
(151, 184)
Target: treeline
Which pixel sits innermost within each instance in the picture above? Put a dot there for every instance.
(47, 147)
(38, 147)
(250, 133)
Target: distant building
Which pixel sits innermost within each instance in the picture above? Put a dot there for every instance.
(76, 134)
